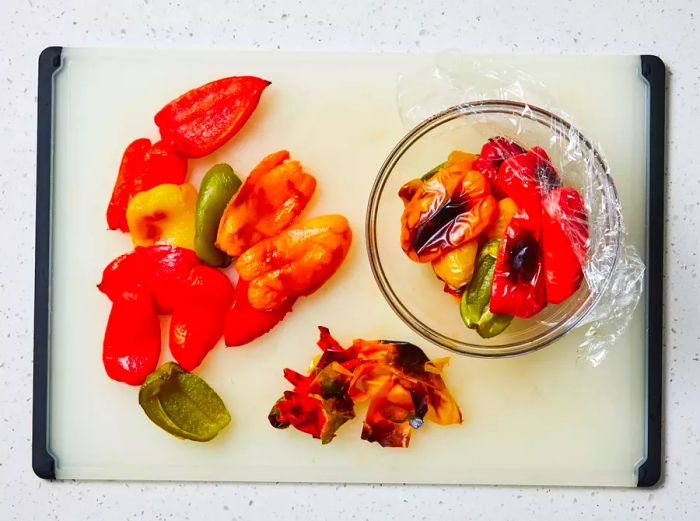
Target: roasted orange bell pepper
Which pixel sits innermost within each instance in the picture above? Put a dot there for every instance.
(164, 214)
(295, 262)
(445, 211)
(272, 196)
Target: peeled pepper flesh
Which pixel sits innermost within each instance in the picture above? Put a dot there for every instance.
(164, 214)
(143, 166)
(272, 196)
(295, 262)
(198, 319)
(206, 117)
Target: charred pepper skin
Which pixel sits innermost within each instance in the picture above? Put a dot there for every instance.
(518, 287)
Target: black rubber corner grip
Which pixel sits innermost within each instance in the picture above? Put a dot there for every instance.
(43, 462)
(654, 71)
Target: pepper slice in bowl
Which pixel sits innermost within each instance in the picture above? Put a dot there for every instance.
(445, 211)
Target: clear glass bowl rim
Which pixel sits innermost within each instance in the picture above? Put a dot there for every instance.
(509, 108)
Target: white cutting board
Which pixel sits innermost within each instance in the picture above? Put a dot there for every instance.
(543, 418)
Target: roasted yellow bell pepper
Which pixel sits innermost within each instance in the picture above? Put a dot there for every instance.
(163, 215)
(506, 210)
(294, 262)
(456, 267)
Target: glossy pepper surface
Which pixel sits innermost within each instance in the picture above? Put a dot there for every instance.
(518, 287)
(204, 118)
(447, 210)
(527, 178)
(493, 153)
(506, 210)
(271, 198)
(164, 214)
(474, 306)
(143, 166)
(456, 267)
(564, 241)
(244, 323)
(218, 187)
(161, 270)
(295, 262)
(198, 319)
(131, 346)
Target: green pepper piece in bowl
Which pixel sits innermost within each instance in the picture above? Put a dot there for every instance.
(474, 306)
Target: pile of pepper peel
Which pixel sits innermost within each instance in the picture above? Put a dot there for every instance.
(182, 237)
(402, 386)
(500, 230)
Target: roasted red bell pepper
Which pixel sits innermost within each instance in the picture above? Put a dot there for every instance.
(131, 345)
(493, 153)
(564, 241)
(143, 166)
(198, 319)
(244, 323)
(204, 118)
(527, 178)
(518, 286)
(161, 269)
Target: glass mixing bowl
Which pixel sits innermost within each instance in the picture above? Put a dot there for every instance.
(414, 292)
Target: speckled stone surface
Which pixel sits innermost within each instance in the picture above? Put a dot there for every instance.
(668, 29)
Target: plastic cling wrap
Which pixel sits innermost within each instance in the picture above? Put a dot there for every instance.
(574, 186)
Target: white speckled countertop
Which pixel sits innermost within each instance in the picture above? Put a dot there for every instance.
(667, 28)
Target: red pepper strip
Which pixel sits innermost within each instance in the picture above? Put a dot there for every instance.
(131, 345)
(493, 153)
(518, 286)
(565, 242)
(203, 119)
(527, 178)
(198, 318)
(244, 323)
(143, 166)
(161, 269)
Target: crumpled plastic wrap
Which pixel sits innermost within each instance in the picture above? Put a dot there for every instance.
(508, 102)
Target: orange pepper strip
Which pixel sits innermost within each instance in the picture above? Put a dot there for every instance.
(272, 196)
(295, 262)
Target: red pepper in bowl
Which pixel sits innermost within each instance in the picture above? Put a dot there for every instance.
(493, 153)
(527, 178)
(518, 286)
(565, 242)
